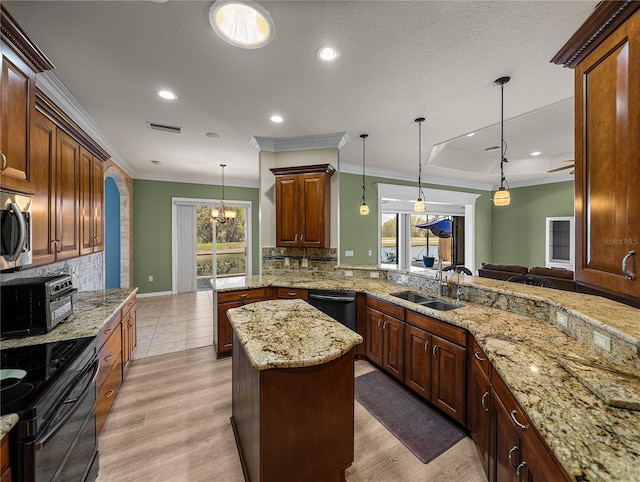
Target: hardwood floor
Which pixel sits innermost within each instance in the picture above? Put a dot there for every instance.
(170, 422)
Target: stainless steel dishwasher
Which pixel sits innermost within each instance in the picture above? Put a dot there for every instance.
(339, 305)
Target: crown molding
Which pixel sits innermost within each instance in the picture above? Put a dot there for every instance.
(53, 88)
(198, 180)
(281, 144)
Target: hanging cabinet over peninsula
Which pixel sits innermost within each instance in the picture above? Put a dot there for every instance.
(303, 204)
(605, 53)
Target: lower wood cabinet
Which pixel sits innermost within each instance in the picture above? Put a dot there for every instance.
(479, 403)
(129, 338)
(384, 336)
(109, 376)
(5, 469)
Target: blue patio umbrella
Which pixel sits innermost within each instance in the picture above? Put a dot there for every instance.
(441, 228)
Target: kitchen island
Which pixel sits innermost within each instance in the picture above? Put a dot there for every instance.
(292, 392)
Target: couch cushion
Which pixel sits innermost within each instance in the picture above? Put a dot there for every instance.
(511, 268)
(552, 272)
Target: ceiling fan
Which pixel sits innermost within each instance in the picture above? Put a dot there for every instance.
(571, 166)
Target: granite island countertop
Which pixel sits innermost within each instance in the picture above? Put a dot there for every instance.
(289, 334)
(513, 325)
(7, 422)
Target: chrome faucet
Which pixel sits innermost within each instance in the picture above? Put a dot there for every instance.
(458, 289)
(439, 278)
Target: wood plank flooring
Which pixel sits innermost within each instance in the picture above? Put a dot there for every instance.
(170, 422)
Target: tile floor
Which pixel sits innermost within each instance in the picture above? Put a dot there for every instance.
(173, 323)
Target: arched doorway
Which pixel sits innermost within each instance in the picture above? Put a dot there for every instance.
(117, 250)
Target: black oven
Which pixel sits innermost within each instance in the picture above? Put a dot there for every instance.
(55, 439)
(15, 230)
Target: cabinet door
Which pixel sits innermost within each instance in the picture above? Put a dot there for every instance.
(223, 332)
(479, 414)
(447, 388)
(17, 99)
(313, 228)
(373, 335)
(43, 161)
(86, 229)
(97, 204)
(393, 347)
(540, 464)
(66, 195)
(607, 168)
(418, 360)
(287, 211)
(507, 444)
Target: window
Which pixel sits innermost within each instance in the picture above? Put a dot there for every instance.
(560, 242)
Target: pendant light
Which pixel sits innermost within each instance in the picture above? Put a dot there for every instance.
(502, 197)
(222, 214)
(419, 206)
(364, 209)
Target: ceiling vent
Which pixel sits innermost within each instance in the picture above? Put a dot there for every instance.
(163, 127)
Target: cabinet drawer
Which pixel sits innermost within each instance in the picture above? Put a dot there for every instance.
(479, 357)
(388, 308)
(109, 328)
(108, 356)
(292, 293)
(440, 328)
(107, 394)
(128, 304)
(512, 407)
(243, 295)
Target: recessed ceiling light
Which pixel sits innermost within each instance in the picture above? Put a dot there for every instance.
(165, 94)
(212, 135)
(244, 24)
(327, 53)
(471, 134)
(276, 118)
(536, 153)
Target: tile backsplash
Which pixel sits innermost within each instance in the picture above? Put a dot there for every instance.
(299, 259)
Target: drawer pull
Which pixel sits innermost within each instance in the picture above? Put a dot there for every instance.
(515, 420)
(108, 358)
(384, 325)
(631, 276)
(379, 321)
(4, 161)
(482, 400)
(513, 449)
(426, 344)
(243, 295)
(478, 357)
(109, 394)
(435, 351)
(106, 332)
(519, 468)
(291, 293)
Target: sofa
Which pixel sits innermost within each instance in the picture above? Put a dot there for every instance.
(562, 279)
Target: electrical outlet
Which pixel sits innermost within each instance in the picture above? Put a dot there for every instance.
(150, 277)
(602, 341)
(287, 262)
(348, 274)
(348, 253)
(374, 274)
(369, 252)
(305, 262)
(561, 318)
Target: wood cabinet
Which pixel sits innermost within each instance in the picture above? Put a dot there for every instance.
(303, 205)
(20, 61)
(129, 338)
(479, 403)
(384, 335)
(91, 203)
(292, 293)
(605, 53)
(5, 468)
(434, 366)
(109, 376)
(66, 197)
(225, 300)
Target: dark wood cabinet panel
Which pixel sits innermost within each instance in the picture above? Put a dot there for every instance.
(393, 346)
(373, 335)
(418, 360)
(67, 194)
(448, 378)
(287, 211)
(508, 451)
(479, 415)
(292, 293)
(129, 337)
(314, 207)
(91, 203)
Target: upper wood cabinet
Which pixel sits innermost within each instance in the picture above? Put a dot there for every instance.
(605, 54)
(91, 203)
(21, 59)
(303, 205)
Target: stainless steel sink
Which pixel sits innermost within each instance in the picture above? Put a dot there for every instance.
(414, 297)
(442, 305)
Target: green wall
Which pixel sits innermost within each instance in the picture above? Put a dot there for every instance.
(518, 230)
(152, 227)
(360, 233)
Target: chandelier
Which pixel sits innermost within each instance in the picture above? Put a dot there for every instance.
(222, 214)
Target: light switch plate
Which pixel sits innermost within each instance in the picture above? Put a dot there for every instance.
(150, 277)
(602, 341)
(348, 274)
(305, 262)
(348, 252)
(369, 252)
(287, 262)
(561, 318)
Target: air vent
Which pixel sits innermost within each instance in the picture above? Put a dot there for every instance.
(492, 148)
(165, 128)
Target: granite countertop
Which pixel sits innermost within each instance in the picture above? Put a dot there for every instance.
(93, 309)
(538, 361)
(7, 422)
(289, 334)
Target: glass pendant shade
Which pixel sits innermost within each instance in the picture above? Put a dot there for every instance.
(419, 206)
(364, 209)
(502, 197)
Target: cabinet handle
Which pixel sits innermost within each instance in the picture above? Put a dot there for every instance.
(109, 394)
(108, 357)
(302, 238)
(379, 321)
(291, 293)
(295, 239)
(243, 296)
(435, 351)
(478, 357)
(513, 449)
(631, 276)
(426, 344)
(515, 420)
(519, 468)
(59, 244)
(484, 397)
(4, 161)
(384, 325)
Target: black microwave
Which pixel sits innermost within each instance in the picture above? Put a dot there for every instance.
(15, 230)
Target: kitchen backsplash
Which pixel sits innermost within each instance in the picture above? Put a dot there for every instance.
(86, 272)
(299, 259)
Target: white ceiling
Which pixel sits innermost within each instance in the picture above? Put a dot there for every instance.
(399, 61)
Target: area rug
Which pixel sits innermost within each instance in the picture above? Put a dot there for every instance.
(419, 427)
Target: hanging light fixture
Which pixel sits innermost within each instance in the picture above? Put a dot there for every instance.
(364, 209)
(222, 214)
(502, 197)
(418, 206)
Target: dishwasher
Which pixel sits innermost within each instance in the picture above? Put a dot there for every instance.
(339, 305)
